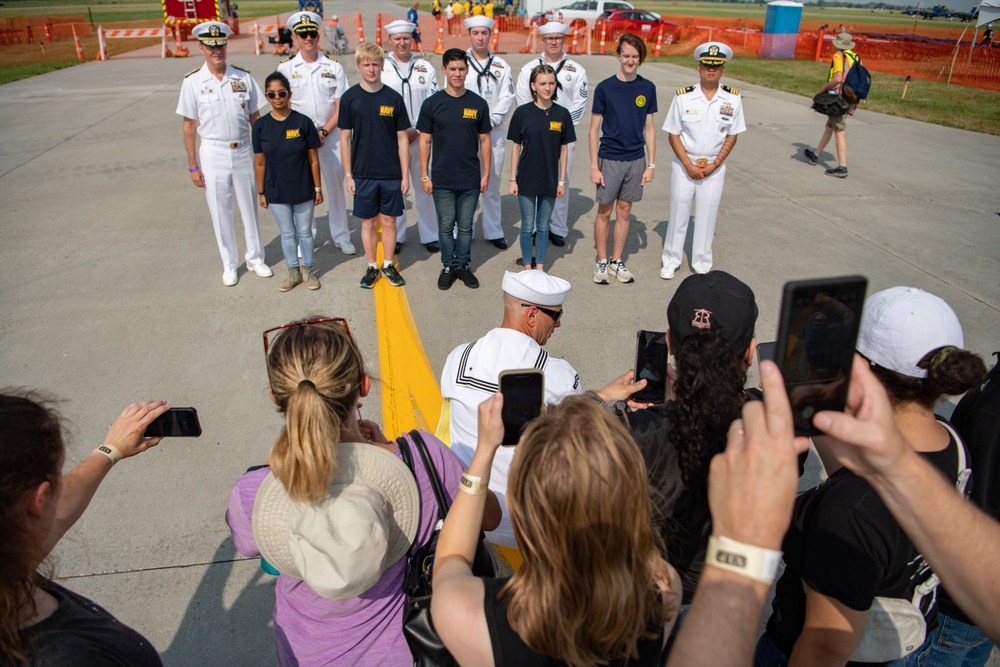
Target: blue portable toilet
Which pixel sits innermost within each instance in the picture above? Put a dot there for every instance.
(781, 29)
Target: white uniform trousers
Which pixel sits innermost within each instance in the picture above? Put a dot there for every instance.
(228, 170)
(706, 195)
(559, 222)
(427, 222)
(332, 167)
(490, 199)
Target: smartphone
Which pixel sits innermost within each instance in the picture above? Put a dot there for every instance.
(175, 423)
(817, 334)
(523, 395)
(651, 366)
(765, 351)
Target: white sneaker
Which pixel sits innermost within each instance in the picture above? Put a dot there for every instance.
(619, 271)
(601, 273)
(262, 270)
(230, 278)
(667, 272)
(347, 248)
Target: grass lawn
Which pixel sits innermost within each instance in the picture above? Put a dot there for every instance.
(111, 11)
(928, 101)
(14, 72)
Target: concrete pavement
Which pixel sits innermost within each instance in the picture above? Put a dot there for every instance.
(112, 293)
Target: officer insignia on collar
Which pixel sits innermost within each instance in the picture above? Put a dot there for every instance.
(191, 72)
(682, 91)
(731, 90)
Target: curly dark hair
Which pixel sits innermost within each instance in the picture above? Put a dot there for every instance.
(709, 396)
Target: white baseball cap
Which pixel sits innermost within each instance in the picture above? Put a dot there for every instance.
(900, 325)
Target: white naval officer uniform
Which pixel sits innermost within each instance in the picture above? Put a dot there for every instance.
(316, 89)
(471, 374)
(415, 81)
(571, 94)
(703, 126)
(222, 109)
(491, 79)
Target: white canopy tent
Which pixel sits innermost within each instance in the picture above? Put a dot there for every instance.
(989, 11)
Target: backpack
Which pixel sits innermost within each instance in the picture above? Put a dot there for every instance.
(858, 81)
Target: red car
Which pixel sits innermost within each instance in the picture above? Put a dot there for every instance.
(643, 24)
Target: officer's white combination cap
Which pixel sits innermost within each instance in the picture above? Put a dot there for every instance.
(479, 22)
(212, 33)
(536, 287)
(400, 26)
(553, 28)
(304, 21)
(713, 53)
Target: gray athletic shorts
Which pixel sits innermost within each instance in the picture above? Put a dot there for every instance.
(622, 180)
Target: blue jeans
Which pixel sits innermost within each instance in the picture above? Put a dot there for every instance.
(455, 207)
(767, 654)
(957, 644)
(295, 224)
(531, 223)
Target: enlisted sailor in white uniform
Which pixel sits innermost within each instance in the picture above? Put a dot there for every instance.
(572, 81)
(219, 102)
(703, 123)
(415, 79)
(317, 84)
(490, 78)
(533, 301)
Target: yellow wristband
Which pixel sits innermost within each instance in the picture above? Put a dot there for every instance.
(474, 486)
(110, 451)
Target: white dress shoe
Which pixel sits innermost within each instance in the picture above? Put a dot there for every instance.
(347, 248)
(262, 270)
(667, 273)
(230, 278)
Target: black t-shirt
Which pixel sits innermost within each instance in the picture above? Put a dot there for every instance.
(455, 124)
(845, 544)
(82, 634)
(510, 650)
(376, 119)
(285, 144)
(541, 135)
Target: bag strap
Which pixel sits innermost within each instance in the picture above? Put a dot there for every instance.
(962, 479)
(425, 456)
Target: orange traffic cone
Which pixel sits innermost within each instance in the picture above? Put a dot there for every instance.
(604, 35)
(79, 46)
(528, 42)
(439, 44)
(496, 37)
(361, 30)
(576, 36)
(378, 30)
(659, 41)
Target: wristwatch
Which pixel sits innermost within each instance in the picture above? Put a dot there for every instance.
(324, 132)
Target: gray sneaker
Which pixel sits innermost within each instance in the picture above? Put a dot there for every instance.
(811, 156)
(839, 172)
(618, 270)
(601, 273)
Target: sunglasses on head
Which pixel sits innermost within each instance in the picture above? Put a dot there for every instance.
(554, 314)
(305, 323)
(309, 34)
(281, 94)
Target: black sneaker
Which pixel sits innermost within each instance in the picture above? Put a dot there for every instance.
(391, 274)
(371, 275)
(556, 240)
(811, 156)
(447, 278)
(839, 172)
(464, 273)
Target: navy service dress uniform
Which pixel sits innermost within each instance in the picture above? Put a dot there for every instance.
(571, 79)
(222, 108)
(703, 126)
(316, 91)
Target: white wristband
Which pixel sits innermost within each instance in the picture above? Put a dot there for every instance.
(757, 563)
(111, 452)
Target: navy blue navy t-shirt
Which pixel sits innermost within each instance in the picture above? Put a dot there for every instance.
(541, 136)
(455, 124)
(624, 106)
(375, 119)
(285, 144)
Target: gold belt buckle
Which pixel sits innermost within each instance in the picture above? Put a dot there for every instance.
(233, 144)
(701, 160)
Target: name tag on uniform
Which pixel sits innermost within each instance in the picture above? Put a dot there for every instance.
(239, 86)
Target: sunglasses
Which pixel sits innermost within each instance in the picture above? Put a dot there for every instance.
(295, 325)
(309, 34)
(554, 39)
(554, 314)
(281, 94)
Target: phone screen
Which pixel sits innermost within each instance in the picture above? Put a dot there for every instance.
(765, 351)
(523, 395)
(817, 334)
(651, 366)
(175, 423)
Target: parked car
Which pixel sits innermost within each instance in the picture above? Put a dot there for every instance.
(643, 24)
(584, 10)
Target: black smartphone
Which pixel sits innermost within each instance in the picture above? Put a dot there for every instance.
(175, 423)
(817, 334)
(523, 395)
(651, 366)
(765, 351)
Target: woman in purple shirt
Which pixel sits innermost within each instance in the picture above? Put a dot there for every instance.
(336, 603)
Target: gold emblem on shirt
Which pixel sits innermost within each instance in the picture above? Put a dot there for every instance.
(640, 101)
(292, 134)
(386, 110)
(471, 113)
(555, 125)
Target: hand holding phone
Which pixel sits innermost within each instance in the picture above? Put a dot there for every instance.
(523, 396)
(651, 365)
(175, 423)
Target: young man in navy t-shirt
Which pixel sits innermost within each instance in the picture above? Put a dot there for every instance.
(456, 122)
(622, 120)
(376, 155)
